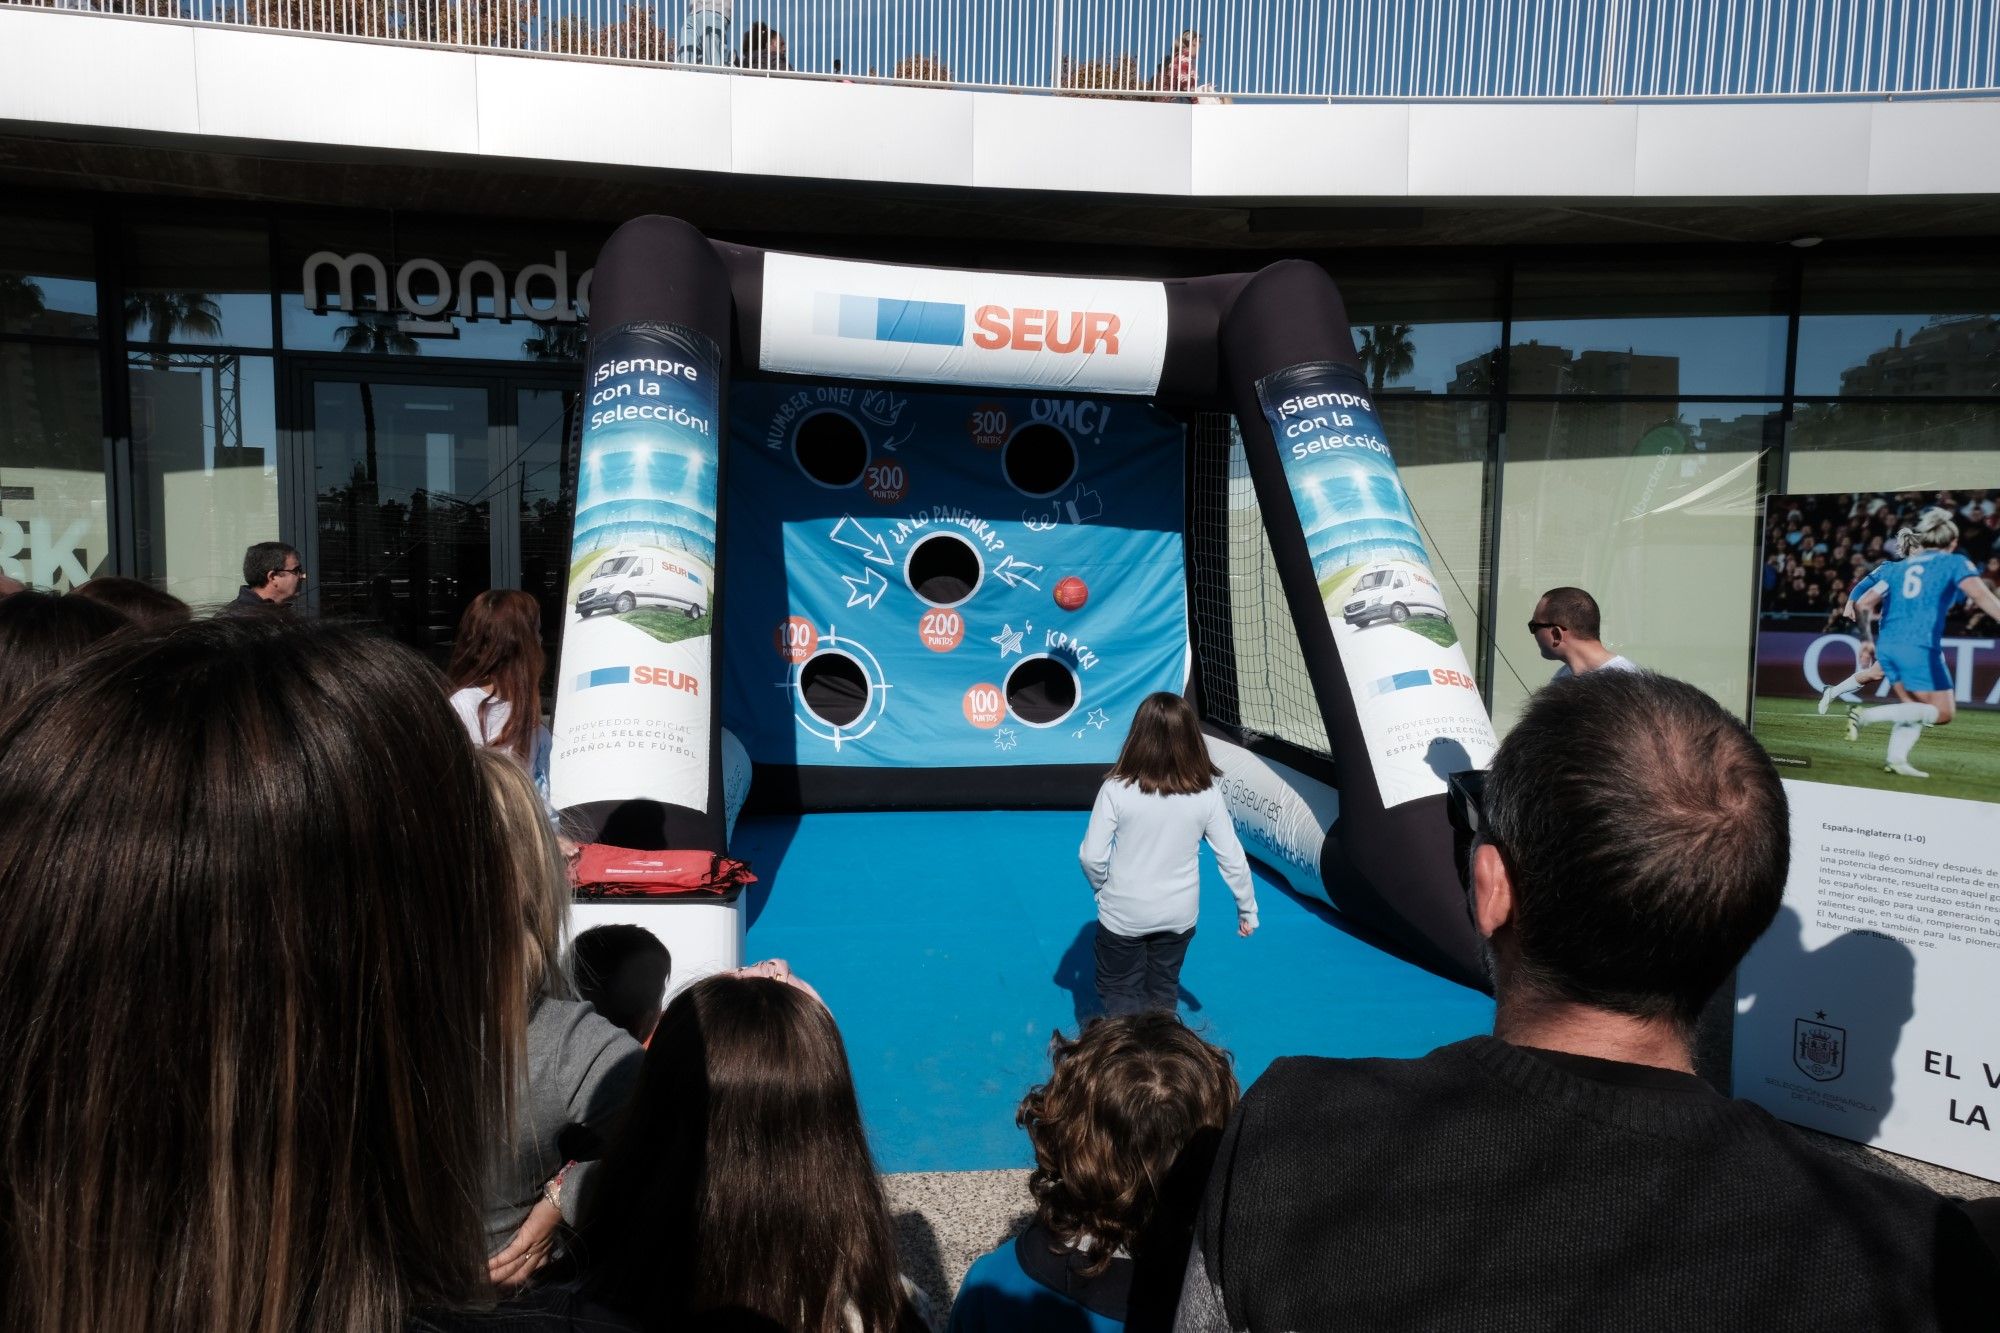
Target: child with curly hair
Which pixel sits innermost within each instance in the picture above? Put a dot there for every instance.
(1124, 1133)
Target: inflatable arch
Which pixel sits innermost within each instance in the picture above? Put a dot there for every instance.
(921, 536)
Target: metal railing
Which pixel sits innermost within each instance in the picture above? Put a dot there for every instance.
(1198, 50)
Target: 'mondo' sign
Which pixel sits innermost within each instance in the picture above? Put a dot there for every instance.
(425, 295)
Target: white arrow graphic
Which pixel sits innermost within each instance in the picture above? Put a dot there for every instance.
(854, 537)
(865, 590)
(1014, 572)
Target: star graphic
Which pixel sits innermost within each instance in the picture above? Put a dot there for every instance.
(1003, 739)
(1820, 1014)
(1009, 640)
(1098, 717)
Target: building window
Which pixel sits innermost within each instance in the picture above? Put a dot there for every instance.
(52, 502)
(200, 286)
(205, 456)
(1650, 507)
(46, 285)
(1655, 330)
(1885, 328)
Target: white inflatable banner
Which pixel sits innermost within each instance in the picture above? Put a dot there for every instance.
(942, 326)
(637, 683)
(1281, 815)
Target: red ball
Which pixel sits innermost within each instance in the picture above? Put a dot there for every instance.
(1071, 594)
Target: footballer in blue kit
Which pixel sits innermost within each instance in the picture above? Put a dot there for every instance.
(1866, 670)
(1917, 593)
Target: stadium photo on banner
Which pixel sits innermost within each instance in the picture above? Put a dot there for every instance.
(1878, 640)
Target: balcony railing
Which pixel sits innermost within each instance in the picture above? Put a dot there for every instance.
(1212, 50)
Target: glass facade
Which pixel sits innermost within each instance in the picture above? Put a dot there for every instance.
(394, 395)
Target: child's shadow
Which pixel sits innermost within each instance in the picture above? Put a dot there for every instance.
(1077, 974)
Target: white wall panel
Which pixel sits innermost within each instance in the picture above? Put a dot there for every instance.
(1486, 150)
(1331, 152)
(312, 90)
(1079, 143)
(577, 111)
(68, 69)
(1752, 150)
(851, 131)
(1934, 148)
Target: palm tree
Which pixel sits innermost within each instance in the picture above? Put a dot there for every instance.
(373, 333)
(20, 301)
(171, 317)
(1387, 353)
(557, 340)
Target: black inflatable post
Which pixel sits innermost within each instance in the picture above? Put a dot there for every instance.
(639, 755)
(1285, 342)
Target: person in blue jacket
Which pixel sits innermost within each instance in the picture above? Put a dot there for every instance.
(1124, 1133)
(1932, 578)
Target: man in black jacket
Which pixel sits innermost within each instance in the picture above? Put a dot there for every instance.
(272, 577)
(1571, 1171)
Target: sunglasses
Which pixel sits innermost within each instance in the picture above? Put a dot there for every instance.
(1534, 625)
(1465, 800)
(299, 570)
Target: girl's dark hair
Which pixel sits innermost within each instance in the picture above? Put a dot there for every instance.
(260, 987)
(141, 603)
(499, 649)
(1164, 751)
(1129, 1105)
(740, 1182)
(41, 632)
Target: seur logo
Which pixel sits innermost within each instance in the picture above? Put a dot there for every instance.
(683, 681)
(943, 324)
(1819, 1050)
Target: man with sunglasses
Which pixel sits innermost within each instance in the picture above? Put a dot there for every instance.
(1571, 1171)
(1565, 628)
(272, 578)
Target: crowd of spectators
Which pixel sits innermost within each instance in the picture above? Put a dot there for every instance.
(1817, 547)
(298, 1044)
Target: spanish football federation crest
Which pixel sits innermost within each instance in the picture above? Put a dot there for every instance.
(1819, 1050)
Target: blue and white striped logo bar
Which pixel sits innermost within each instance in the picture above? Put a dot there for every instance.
(615, 675)
(887, 319)
(1402, 680)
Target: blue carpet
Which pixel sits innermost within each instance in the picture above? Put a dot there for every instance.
(950, 944)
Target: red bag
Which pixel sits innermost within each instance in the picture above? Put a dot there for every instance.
(623, 872)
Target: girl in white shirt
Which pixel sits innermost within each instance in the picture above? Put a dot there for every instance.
(1141, 856)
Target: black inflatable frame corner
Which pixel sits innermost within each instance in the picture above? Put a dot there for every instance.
(1394, 870)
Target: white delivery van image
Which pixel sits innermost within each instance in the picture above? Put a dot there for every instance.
(631, 577)
(1394, 592)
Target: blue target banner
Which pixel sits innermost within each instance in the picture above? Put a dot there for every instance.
(924, 580)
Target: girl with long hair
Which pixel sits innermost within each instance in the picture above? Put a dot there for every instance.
(260, 1054)
(1124, 1133)
(1141, 855)
(496, 677)
(740, 1191)
(1932, 578)
(581, 1068)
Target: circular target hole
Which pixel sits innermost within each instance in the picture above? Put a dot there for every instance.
(830, 449)
(1039, 460)
(835, 689)
(943, 569)
(1041, 691)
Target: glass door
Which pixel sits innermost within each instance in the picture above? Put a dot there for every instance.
(404, 481)
(428, 487)
(544, 417)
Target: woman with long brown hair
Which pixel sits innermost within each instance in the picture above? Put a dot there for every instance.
(740, 1191)
(496, 677)
(259, 1054)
